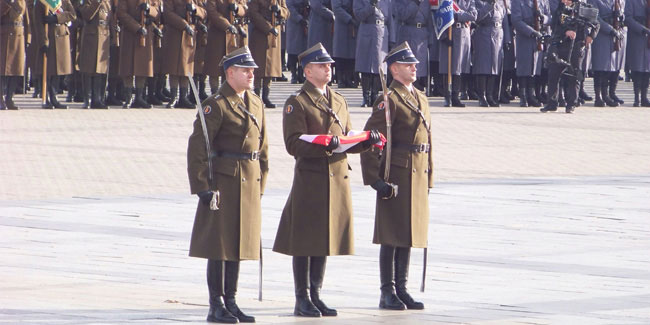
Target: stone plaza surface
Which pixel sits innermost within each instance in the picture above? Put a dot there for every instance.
(535, 219)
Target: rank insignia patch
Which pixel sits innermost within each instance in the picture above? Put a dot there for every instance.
(207, 109)
(380, 106)
(289, 109)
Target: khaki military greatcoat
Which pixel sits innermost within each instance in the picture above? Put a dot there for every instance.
(231, 233)
(135, 59)
(14, 33)
(219, 17)
(317, 218)
(265, 47)
(59, 58)
(95, 36)
(179, 51)
(402, 221)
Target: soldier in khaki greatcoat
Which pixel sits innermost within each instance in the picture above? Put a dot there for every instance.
(236, 127)
(56, 45)
(94, 50)
(228, 31)
(14, 34)
(180, 44)
(137, 42)
(317, 218)
(402, 216)
(266, 42)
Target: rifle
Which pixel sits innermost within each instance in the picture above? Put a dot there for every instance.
(389, 132)
(116, 26)
(231, 39)
(305, 14)
(143, 22)
(537, 25)
(616, 24)
(273, 23)
(188, 18)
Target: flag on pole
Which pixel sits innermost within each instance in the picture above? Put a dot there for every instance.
(52, 5)
(443, 14)
(345, 141)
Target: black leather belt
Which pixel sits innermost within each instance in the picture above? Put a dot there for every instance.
(420, 147)
(255, 155)
(416, 25)
(460, 25)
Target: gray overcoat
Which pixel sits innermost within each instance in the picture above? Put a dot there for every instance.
(509, 44)
(461, 38)
(529, 59)
(372, 38)
(413, 18)
(321, 21)
(296, 35)
(488, 38)
(603, 56)
(638, 53)
(345, 32)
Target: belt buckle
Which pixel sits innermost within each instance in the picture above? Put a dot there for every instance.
(379, 22)
(418, 25)
(422, 147)
(255, 155)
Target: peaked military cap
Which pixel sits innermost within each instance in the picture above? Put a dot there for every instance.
(401, 54)
(240, 57)
(315, 54)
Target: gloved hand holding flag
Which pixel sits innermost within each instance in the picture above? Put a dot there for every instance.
(346, 141)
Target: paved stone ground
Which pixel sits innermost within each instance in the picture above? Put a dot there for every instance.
(535, 219)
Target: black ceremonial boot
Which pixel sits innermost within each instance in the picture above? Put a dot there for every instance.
(388, 299)
(316, 275)
(218, 312)
(232, 276)
(402, 256)
(304, 306)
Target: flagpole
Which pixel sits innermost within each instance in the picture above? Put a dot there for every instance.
(449, 64)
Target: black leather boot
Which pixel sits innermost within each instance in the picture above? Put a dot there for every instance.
(316, 275)
(489, 95)
(583, 94)
(182, 99)
(530, 93)
(613, 83)
(597, 82)
(402, 257)
(265, 97)
(551, 106)
(202, 94)
(231, 278)
(481, 81)
(388, 299)
(111, 99)
(87, 87)
(455, 101)
(365, 90)
(304, 306)
(604, 90)
(98, 91)
(12, 84)
(139, 101)
(560, 96)
(128, 94)
(160, 87)
(636, 81)
(523, 101)
(218, 313)
(151, 92)
(644, 90)
(52, 90)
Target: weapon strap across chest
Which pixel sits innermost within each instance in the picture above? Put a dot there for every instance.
(417, 109)
(331, 113)
(255, 121)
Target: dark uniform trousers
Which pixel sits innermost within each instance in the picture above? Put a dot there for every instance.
(572, 76)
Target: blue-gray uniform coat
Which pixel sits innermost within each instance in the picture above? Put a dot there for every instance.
(296, 36)
(638, 53)
(372, 38)
(461, 38)
(321, 21)
(529, 60)
(509, 44)
(488, 38)
(345, 32)
(413, 18)
(603, 56)
(434, 54)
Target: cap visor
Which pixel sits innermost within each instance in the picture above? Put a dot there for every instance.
(408, 60)
(250, 64)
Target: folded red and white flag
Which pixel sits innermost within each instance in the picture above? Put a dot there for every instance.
(346, 141)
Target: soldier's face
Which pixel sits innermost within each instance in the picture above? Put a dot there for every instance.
(240, 78)
(404, 72)
(318, 74)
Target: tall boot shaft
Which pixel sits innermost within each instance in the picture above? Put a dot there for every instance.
(304, 306)
(491, 85)
(613, 83)
(637, 82)
(128, 94)
(316, 276)
(139, 101)
(265, 97)
(481, 82)
(12, 84)
(644, 90)
(604, 90)
(388, 298)
(183, 101)
(98, 91)
(215, 277)
(530, 92)
(52, 90)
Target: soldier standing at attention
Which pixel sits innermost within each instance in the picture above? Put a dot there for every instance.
(460, 50)
(413, 18)
(14, 34)
(180, 42)
(136, 47)
(317, 219)
(528, 49)
(345, 43)
(267, 17)
(94, 50)
(375, 19)
(236, 129)
(488, 39)
(321, 24)
(402, 216)
(56, 45)
(638, 51)
(297, 31)
(608, 51)
(228, 31)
